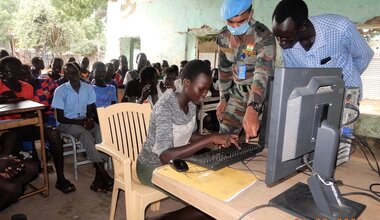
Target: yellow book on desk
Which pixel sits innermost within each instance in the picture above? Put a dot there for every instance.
(224, 184)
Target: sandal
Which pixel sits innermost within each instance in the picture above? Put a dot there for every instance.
(50, 169)
(66, 187)
(109, 185)
(96, 187)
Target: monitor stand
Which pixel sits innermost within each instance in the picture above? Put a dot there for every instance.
(298, 201)
(320, 198)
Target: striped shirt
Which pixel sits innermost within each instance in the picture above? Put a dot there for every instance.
(338, 42)
(169, 127)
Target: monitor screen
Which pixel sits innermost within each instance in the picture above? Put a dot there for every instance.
(304, 115)
(300, 99)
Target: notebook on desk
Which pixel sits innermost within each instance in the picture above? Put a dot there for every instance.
(224, 184)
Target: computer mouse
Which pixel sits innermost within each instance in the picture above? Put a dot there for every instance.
(179, 165)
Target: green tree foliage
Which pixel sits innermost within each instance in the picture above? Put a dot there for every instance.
(7, 10)
(38, 26)
(57, 27)
(79, 9)
(91, 37)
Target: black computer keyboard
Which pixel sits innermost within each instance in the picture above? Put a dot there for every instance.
(219, 158)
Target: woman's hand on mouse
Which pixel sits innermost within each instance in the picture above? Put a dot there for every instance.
(226, 140)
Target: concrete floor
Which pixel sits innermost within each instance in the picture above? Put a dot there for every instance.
(83, 204)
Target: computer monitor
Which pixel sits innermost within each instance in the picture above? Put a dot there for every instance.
(305, 107)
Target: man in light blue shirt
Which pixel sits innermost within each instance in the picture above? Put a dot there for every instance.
(320, 41)
(74, 102)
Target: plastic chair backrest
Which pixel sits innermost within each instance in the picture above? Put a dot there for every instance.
(124, 127)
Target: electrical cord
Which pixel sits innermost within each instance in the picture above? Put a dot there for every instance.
(352, 107)
(377, 193)
(354, 138)
(254, 157)
(305, 161)
(364, 145)
(377, 164)
(252, 171)
(340, 183)
(256, 208)
(363, 194)
(353, 149)
(245, 162)
(258, 171)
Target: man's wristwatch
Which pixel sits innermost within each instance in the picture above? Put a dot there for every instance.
(258, 107)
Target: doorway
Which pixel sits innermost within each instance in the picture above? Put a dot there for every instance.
(130, 47)
(207, 49)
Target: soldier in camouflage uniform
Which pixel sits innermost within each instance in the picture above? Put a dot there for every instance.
(247, 51)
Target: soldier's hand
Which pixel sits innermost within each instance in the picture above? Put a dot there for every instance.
(220, 108)
(251, 123)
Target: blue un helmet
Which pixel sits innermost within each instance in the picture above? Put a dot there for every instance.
(232, 8)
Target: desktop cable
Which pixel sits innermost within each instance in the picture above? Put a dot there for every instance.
(364, 145)
(252, 171)
(361, 193)
(348, 135)
(376, 195)
(356, 109)
(245, 162)
(256, 208)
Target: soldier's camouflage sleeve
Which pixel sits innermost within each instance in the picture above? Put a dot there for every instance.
(224, 68)
(264, 67)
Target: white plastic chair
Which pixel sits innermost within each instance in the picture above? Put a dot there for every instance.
(124, 128)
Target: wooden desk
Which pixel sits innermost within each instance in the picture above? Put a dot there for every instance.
(23, 107)
(356, 172)
(208, 104)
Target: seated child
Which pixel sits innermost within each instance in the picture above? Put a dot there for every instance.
(74, 102)
(105, 94)
(43, 93)
(143, 89)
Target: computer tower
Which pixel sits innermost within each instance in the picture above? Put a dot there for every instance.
(352, 97)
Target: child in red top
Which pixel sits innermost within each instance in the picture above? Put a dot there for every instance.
(14, 173)
(12, 89)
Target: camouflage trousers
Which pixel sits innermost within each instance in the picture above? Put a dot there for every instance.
(234, 112)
